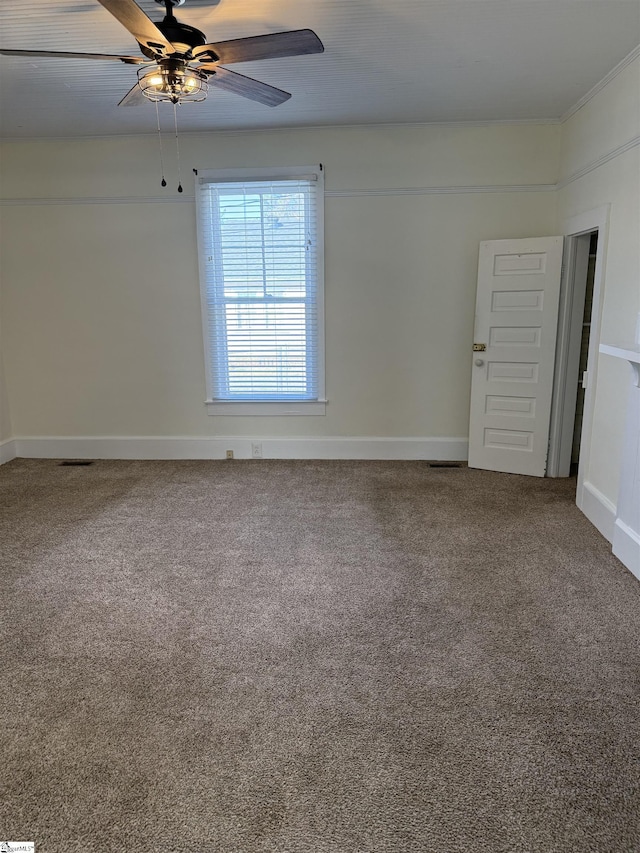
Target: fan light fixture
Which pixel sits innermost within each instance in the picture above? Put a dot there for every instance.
(171, 80)
(179, 62)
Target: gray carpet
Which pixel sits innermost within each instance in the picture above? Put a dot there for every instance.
(312, 657)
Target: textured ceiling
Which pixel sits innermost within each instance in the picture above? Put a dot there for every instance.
(385, 61)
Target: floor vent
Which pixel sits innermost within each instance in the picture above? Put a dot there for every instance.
(445, 464)
(78, 462)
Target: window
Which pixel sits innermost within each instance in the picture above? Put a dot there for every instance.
(261, 273)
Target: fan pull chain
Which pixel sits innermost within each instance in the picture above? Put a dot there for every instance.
(175, 122)
(163, 183)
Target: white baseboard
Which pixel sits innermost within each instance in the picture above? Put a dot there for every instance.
(186, 447)
(626, 546)
(7, 450)
(600, 511)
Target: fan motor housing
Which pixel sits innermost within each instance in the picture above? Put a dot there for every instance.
(183, 37)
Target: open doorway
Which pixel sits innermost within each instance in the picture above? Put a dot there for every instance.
(577, 345)
(583, 373)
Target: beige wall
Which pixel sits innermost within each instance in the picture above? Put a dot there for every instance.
(605, 130)
(105, 333)
(6, 431)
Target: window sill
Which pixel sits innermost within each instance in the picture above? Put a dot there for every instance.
(254, 408)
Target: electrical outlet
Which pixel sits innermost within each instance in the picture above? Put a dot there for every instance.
(256, 449)
(229, 454)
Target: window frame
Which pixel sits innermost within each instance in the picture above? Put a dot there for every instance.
(253, 407)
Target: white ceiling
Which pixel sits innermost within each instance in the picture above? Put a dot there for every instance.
(385, 61)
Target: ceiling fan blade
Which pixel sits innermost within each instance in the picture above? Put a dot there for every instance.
(133, 98)
(58, 54)
(272, 46)
(230, 81)
(139, 25)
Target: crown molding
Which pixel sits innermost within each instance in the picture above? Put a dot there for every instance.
(619, 68)
(315, 128)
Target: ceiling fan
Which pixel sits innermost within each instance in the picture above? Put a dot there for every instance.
(180, 63)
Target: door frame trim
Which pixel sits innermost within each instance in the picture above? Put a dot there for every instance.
(596, 219)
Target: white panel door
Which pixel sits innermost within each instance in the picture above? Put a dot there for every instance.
(514, 354)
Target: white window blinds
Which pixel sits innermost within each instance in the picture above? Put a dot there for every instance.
(261, 276)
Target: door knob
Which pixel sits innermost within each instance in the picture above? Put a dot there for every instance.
(479, 362)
